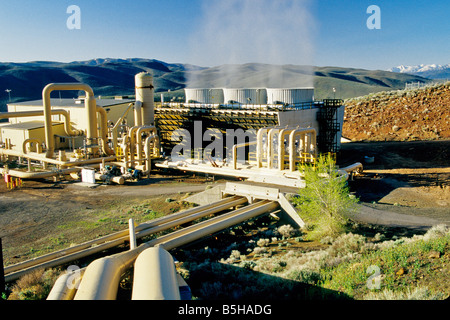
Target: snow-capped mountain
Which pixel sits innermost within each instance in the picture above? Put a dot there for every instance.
(431, 71)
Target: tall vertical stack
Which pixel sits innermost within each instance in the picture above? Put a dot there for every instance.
(145, 94)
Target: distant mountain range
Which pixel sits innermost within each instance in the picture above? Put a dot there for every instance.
(431, 71)
(110, 77)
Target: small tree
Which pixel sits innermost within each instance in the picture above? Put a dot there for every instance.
(325, 203)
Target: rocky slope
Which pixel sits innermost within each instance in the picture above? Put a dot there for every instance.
(401, 115)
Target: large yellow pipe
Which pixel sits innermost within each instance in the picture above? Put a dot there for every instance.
(155, 276)
(292, 151)
(101, 279)
(281, 148)
(90, 107)
(139, 132)
(64, 113)
(104, 131)
(33, 140)
(81, 250)
(38, 157)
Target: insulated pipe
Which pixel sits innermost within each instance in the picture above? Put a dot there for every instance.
(281, 147)
(40, 175)
(149, 153)
(271, 146)
(213, 225)
(33, 140)
(66, 286)
(235, 147)
(132, 135)
(102, 277)
(90, 107)
(38, 157)
(104, 131)
(117, 124)
(260, 145)
(13, 272)
(292, 151)
(64, 113)
(145, 94)
(155, 276)
(138, 113)
(138, 140)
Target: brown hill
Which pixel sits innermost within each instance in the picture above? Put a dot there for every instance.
(401, 115)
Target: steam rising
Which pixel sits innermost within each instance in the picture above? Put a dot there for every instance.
(272, 33)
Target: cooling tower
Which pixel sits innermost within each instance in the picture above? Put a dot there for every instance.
(290, 96)
(245, 96)
(206, 96)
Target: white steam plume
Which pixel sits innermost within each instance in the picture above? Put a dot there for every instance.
(236, 32)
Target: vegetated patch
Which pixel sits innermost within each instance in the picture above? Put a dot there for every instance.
(263, 265)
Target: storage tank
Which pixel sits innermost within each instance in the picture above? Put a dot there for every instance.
(206, 96)
(245, 96)
(290, 96)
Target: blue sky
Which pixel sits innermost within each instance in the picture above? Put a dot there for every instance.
(322, 33)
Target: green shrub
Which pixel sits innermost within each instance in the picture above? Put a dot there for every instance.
(325, 203)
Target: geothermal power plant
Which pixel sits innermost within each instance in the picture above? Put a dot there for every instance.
(259, 135)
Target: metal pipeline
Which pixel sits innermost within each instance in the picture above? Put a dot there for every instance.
(104, 131)
(102, 277)
(292, 149)
(100, 244)
(139, 132)
(281, 147)
(114, 133)
(33, 140)
(235, 147)
(90, 107)
(38, 157)
(64, 113)
(149, 153)
(155, 276)
(138, 113)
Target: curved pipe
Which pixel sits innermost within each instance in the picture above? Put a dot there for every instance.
(155, 276)
(148, 152)
(138, 113)
(104, 131)
(281, 148)
(33, 140)
(132, 135)
(234, 152)
(117, 124)
(301, 132)
(259, 145)
(64, 113)
(138, 140)
(271, 146)
(90, 107)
